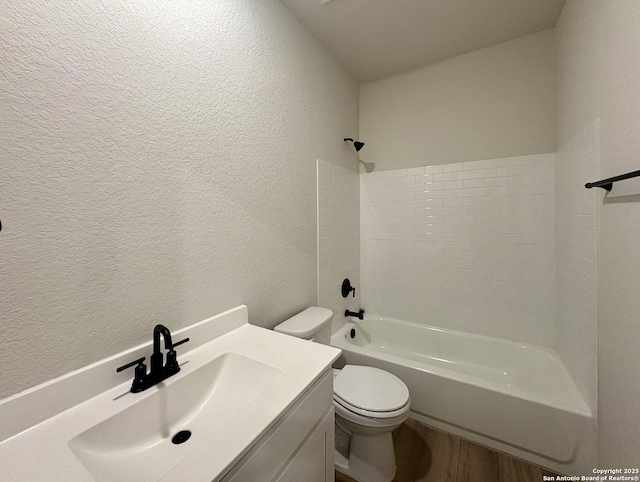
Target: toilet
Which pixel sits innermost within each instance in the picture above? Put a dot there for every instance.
(369, 404)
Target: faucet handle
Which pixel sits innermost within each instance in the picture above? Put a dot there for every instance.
(179, 343)
(172, 357)
(347, 288)
(139, 361)
(140, 377)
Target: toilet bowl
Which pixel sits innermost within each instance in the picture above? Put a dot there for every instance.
(369, 404)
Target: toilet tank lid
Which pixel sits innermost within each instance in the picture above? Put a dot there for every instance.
(306, 323)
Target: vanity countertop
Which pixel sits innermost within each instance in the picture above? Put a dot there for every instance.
(44, 427)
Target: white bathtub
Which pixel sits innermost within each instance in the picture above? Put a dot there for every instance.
(520, 396)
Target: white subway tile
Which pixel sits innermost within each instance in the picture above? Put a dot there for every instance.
(425, 178)
(453, 202)
(495, 163)
(522, 160)
(424, 195)
(509, 171)
(498, 181)
(453, 185)
(481, 173)
(446, 176)
(458, 166)
(415, 171)
(382, 174)
(387, 181)
(473, 165)
(433, 203)
(433, 169)
(386, 189)
(406, 196)
(462, 175)
(444, 194)
(433, 186)
(464, 193)
(474, 183)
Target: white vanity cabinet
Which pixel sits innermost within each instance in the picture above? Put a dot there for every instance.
(299, 447)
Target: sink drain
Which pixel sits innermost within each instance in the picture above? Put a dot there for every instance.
(181, 437)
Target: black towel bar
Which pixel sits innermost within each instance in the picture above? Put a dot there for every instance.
(608, 183)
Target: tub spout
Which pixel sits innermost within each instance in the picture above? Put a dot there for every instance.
(359, 314)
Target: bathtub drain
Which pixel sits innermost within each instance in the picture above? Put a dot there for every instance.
(181, 437)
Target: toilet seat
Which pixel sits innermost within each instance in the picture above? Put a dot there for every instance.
(370, 392)
(369, 413)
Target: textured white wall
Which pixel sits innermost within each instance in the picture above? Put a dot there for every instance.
(492, 103)
(598, 72)
(467, 246)
(338, 239)
(158, 166)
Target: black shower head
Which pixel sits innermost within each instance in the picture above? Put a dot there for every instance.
(357, 144)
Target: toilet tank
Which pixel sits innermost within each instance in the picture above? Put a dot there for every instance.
(313, 324)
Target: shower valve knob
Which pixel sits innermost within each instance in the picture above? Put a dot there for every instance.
(347, 288)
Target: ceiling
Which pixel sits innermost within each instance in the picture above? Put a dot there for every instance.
(378, 38)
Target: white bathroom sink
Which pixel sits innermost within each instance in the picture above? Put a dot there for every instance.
(236, 380)
(200, 402)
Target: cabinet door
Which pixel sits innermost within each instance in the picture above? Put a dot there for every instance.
(279, 447)
(314, 460)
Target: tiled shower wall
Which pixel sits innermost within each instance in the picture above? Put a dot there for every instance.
(338, 238)
(467, 246)
(577, 257)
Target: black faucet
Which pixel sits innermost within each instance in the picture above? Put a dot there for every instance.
(359, 314)
(159, 371)
(157, 358)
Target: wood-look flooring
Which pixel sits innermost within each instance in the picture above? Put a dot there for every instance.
(424, 454)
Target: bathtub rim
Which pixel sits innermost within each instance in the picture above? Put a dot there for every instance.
(571, 400)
